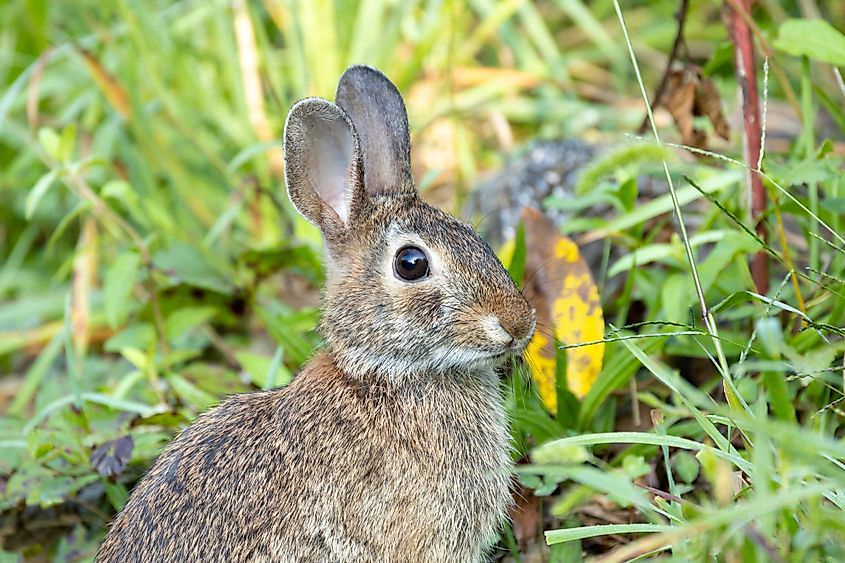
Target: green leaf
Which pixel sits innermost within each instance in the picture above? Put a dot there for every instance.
(50, 142)
(566, 552)
(635, 466)
(617, 369)
(685, 392)
(686, 466)
(67, 143)
(120, 190)
(807, 171)
(677, 298)
(277, 373)
(654, 440)
(117, 286)
(770, 334)
(256, 366)
(779, 398)
(559, 453)
(252, 151)
(611, 162)
(663, 204)
(290, 329)
(52, 490)
(183, 320)
(38, 191)
(98, 398)
(136, 357)
(186, 265)
(35, 375)
(572, 534)
(628, 191)
(814, 38)
(190, 393)
(721, 60)
(116, 493)
(834, 204)
(137, 335)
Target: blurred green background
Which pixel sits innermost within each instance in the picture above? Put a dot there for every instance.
(150, 262)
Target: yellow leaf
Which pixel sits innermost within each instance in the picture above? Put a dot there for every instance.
(560, 286)
(542, 368)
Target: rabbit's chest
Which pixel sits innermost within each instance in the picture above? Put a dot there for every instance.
(449, 464)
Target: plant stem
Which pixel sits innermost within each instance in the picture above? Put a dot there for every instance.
(746, 76)
(809, 141)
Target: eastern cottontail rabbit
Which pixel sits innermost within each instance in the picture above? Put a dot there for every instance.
(390, 445)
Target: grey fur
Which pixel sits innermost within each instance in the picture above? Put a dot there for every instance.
(376, 108)
(390, 445)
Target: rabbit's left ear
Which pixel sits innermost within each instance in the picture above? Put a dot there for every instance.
(323, 165)
(376, 109)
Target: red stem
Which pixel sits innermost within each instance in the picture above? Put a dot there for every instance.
(746, 75)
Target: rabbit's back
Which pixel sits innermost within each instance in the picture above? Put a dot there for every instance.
(330, 468)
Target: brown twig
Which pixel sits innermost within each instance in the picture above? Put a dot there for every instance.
(681, 16)
(663, 494)
(34, 87)
(746, 76)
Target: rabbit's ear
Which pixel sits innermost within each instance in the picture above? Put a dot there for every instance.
(376, 109)
(322, 164)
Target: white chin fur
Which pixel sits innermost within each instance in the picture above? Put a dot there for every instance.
(360, 362)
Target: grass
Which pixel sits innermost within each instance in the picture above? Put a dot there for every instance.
(139, 141)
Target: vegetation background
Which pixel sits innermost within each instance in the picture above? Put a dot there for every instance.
(150, 263)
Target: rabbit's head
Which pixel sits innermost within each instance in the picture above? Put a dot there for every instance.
(410, 290)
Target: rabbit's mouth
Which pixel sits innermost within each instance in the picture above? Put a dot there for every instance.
(502, 357)
(513, 351)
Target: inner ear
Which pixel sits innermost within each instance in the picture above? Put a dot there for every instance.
(378, 114)
(328, 160)
(322, 164)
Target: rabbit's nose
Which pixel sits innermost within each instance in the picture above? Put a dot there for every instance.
(517, 318)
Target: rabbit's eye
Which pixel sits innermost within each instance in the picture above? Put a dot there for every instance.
(410, 263)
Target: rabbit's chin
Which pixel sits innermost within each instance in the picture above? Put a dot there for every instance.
(440, 360)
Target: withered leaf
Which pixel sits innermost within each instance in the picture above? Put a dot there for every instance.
(688, 95)
(110, 458)
(680, 101)
(709, 104)
(116, 95)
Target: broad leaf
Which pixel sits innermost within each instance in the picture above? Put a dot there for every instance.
(119, 280)
(815, 39)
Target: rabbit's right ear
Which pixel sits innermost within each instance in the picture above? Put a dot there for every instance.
(323, 164)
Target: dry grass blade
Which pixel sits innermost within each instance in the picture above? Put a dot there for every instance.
(84, 280)
(111, 88)
(250, 64)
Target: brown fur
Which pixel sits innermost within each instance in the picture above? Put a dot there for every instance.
(403, 475)
(391, 445)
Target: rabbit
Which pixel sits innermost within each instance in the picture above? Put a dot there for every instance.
(392, 443)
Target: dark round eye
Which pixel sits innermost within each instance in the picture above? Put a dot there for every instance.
(410, 263)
